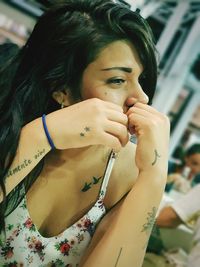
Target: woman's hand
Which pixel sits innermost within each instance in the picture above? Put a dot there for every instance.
(152, 130)
(90, 122)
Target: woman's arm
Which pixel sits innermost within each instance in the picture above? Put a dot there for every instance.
(65, 126)
(124, 242)
(168, 218)
(33, 146)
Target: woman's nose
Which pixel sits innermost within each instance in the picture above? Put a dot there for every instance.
(136, 94)
(143, 98)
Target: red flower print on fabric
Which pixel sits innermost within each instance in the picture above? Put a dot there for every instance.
(29, 224)
(36, 246)
(87, 223)
(64, 247)
(7, 251)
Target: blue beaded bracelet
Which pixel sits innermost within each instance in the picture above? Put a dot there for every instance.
(47, 132)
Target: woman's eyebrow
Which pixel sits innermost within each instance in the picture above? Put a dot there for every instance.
(125, 69)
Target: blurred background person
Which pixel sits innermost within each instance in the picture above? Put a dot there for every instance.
(185, 210)
(185, 175)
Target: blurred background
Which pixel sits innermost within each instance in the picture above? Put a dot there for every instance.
(176, 27)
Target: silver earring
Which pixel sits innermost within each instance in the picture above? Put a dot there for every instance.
(62, 105)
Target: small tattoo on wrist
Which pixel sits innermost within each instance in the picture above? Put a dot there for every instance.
(156, 157)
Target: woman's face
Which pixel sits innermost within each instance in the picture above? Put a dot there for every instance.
(114, 75)
(193, 161)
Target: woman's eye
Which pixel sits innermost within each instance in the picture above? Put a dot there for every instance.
(116, 81)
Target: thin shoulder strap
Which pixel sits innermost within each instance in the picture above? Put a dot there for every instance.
(107, 174)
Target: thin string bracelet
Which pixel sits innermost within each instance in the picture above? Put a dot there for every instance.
(47, 132)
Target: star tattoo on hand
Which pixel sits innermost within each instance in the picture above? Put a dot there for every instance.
(87, 129)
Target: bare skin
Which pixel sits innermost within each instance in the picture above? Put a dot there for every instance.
(168, 218)
(52, 181)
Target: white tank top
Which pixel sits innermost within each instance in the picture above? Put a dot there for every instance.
(25, 246)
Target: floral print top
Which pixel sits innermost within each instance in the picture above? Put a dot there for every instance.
(24, 246)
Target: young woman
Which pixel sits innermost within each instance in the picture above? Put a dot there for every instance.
(90, 67)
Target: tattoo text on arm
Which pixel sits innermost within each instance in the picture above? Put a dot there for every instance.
(156, 157)
(147, 227)
(25, 163)
(120, 251)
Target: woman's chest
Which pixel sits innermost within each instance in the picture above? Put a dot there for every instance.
(59, 199)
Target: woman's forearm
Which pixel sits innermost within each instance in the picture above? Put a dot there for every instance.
(124, 243)
(33, 146)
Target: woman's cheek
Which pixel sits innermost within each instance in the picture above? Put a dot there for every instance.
(114, 96)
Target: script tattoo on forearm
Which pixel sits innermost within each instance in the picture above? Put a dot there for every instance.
(156, 157)
(118, 257)
(25, 163)
(147, 227)
(86, 129)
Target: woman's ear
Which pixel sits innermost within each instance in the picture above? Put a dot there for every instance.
(62, 98)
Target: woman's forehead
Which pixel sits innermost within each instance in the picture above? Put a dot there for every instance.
(118, 54)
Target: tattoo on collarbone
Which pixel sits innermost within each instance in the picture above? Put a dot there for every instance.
(86, 129)
(87, 186)
(24, 164)
(156, 157)
(147, 227)
(120, 251)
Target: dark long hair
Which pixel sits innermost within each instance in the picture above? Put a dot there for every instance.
(64, 41)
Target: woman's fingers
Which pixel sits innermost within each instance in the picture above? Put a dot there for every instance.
(139, 106)
(111, 141)
(110, 105)
(117, 117)
(118, 130)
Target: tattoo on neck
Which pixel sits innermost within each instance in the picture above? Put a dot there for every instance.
(156, 157)
(87, 186)
(86, 129)
(147, 227)
(118, 257)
